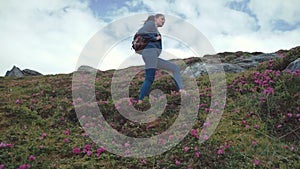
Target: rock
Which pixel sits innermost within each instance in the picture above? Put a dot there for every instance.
(14, 72)
(86, 68)
(253, 61)
(17, 72)
(28, 72)
(247, 63)
(264, 57)
(200, 69)
(293, 66)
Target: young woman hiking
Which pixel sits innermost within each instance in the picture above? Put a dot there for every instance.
(151, 54)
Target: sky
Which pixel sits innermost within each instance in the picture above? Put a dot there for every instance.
(50, 36)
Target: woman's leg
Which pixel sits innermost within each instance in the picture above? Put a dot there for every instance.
(150, 57)
(150, 76)
(171, 67)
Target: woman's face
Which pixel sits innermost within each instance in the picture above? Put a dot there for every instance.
(160, 21)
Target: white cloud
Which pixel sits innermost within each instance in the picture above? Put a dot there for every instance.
(49, 35)
(268, 11)
(226, 27)
(46, 36)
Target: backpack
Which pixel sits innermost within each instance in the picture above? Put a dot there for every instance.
(139, 43)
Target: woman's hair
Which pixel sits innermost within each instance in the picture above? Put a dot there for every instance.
(152, 17)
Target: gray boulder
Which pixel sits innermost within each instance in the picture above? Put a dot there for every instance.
(200, 69)
(253, 61)
(17, 72)
(14, 72)
(293, 66)
(85, 68)
(28, 72)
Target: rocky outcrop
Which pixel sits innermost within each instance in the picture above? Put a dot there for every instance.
(17, 72)
(253, 61)
(237, 65)
(200, 69)
(294, 66)
(85, 68)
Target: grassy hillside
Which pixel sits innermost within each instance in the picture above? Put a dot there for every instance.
(260, 126)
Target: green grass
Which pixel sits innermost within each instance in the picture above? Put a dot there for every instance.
(259, 127)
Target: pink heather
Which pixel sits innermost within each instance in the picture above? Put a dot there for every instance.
(67, 132)
(31, 158)
(220, 151)
(185, 149)
(256, 162)
(89, 153)
(76, 150)
(194, 133)
(67, 140)
(24, 166)
(197, 154)
(177, 162)
(87, 146)
(44, 135)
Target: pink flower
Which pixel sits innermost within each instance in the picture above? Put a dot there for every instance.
(31, 158)
(44, 135)
(101, 150)
(290, 115)
(197, 154)
(89, 152)
(24, 166)
(143, 161)
(67, 132)
(127, 145)
(67, 140)
(256, 162)
(194, 133)
(220, 151)
(256, 126)
(85, 135)
(177, 162)
(6, 145)
(18, 101)
(254, 143)
(2, 166)
(87, 146)
(185, 149)
(206, 137)
(244, 122)
(41, 147)
(76, 150)
(279, 126)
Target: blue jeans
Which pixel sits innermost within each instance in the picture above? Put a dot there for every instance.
(151, 70)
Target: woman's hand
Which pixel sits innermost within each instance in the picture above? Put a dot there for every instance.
(158, 37)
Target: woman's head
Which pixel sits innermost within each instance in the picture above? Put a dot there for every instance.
(159, 19)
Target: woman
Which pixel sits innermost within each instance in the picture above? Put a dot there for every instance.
(151, 55)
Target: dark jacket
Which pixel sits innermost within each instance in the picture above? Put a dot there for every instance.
(149, 31)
